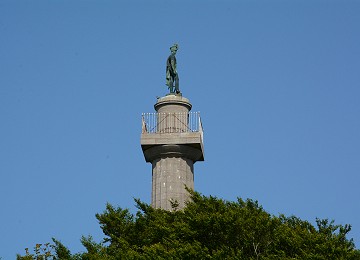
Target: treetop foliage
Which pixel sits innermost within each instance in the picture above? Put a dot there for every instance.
(208, 228)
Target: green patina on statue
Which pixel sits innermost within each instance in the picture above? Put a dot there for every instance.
(172, 77)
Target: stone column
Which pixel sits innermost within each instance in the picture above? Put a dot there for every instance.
(172, 114)
(169, 176)
(172, 150)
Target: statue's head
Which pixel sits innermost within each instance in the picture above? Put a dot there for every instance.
(174, 48)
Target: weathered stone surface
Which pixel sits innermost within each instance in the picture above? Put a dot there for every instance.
(172, 104)
(169, 177)
(191, 139)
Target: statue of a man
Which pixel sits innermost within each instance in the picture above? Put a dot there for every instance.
(172, 77)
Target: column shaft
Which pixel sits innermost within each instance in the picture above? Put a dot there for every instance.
(169, 177)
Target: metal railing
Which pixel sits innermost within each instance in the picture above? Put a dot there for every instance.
(153, 123)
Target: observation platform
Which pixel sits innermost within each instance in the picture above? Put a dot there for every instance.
(178, 128)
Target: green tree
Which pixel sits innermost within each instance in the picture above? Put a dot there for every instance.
(210, 228)
(41, 252)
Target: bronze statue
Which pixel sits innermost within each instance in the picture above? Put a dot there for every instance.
(172, 77)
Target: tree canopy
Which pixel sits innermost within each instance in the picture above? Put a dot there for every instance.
(207, 228)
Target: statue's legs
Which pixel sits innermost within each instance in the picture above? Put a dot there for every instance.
(171, 86)
(177, 84)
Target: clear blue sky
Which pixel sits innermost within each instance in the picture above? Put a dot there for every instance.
(277, 84)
